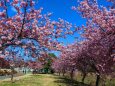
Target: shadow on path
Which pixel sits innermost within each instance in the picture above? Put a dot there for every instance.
(68, 82)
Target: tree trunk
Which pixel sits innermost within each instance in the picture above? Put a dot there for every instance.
(83, 78)
(97, 80)
(25, 71)
(12, 77)
(71, 74)
(63, 73)
(59, 73)
(12, 74)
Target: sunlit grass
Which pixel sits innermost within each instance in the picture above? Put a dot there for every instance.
(34, 80)
(52, 80)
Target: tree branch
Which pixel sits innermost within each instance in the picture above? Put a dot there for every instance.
(23, 22)
(6, 9)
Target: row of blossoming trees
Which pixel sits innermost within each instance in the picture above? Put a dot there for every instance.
(96, 53)
(28, 29)
(35, 33)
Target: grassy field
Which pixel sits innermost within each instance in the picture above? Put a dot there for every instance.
(41, 80)
(45, 80)
(91, 79)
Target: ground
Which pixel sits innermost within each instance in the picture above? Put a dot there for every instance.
(46, 80)
(40, 80)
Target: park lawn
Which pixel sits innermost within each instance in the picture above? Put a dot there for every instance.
(91, 79)
(49, 80)
(35, 80)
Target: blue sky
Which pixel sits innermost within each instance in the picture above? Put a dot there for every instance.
(62, 9)
(59, 9)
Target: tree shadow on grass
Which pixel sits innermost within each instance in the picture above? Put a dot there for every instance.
(69, 82)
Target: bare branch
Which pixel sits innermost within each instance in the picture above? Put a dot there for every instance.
(6, 9)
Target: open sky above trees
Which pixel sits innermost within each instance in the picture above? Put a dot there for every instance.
(82, 32)
(61, 9)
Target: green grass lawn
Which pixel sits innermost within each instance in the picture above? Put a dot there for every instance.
(41, 80)
(44, 80)
(91, 79)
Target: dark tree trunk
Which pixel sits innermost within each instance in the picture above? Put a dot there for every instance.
(25, 71)
(63, 73)
(71, 74)
(59, 73)
(83, 78)
(12, 76)
(97, 80)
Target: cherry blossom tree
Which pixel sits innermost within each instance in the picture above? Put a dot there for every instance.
(4, 63)
(47, 59)
(29, 24)
(35, 66)
(57, 66)
(29, 29)
(96, 51)
(99, 33)
(67, 61)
